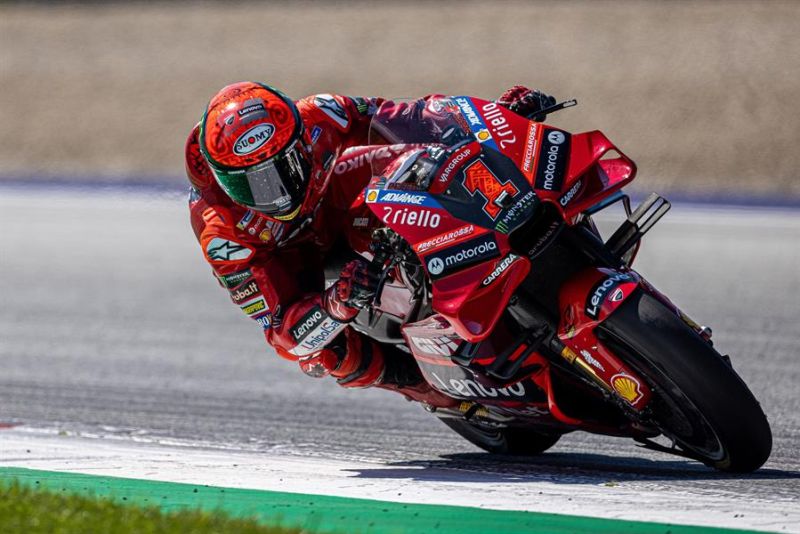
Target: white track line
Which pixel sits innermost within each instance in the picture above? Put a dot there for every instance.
(34, 450)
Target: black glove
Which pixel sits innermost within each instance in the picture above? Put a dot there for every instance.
(526, 102)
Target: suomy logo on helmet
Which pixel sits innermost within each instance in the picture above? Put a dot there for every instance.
(253, 139)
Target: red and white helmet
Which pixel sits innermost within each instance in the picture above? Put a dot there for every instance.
(253, 139)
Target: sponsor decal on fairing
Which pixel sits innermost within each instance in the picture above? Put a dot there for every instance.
(545, 239)
(515, 212)
(444, 238)
(422, 218)
(464, 387)
(476, 124)
(500, 269)
(437, 346)
(601, 290)
(346, 163)
(498, 124)
(399, 197)
(552, 161)
(567, 197)
(459, 157)
(628, 387)
(458, 257)
(529, 151)
(591, 360)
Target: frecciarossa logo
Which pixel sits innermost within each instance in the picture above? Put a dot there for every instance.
(459, 257)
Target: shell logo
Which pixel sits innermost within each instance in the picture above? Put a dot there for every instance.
(627, 387)
(265, 235)
(372, 196)
(483, 135)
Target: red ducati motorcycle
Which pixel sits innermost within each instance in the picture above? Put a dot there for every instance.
(497, 281)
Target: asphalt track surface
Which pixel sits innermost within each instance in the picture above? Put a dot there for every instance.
(111, 325)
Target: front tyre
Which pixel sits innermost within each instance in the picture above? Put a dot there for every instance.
(699, 401)
(506, 440)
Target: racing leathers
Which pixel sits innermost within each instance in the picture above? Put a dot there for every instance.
(274, 269)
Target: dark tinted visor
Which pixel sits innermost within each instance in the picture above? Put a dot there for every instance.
(275, 187)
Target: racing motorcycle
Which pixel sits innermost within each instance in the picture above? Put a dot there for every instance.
(495, 278)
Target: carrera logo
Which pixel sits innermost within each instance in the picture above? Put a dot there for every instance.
(245, 293)
(411, 217)
(601, 291)
(567, 197)
(500, 269)
(464, 387)
(253, 139)
(553, 157)
(460, 257)
(307, 323)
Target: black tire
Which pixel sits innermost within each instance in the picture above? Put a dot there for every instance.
(514, 441)
(700, 401)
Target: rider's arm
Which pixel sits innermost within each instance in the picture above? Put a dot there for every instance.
(274, 287)
(347, 117)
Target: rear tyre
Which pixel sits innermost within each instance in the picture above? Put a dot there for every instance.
(513, 441)
(700, 402)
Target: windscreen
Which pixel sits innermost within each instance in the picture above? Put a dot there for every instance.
(408, 125)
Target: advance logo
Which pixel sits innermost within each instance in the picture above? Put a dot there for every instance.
(467, 254)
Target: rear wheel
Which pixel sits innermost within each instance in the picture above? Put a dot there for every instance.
(508, 440)
(699, 400)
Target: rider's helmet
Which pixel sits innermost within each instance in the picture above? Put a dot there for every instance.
(253, 139)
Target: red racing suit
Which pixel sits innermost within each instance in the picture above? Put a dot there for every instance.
(274, 270)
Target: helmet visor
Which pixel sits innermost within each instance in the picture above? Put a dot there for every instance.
(275, 187)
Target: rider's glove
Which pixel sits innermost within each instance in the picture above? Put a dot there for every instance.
(354, 290)
(526, 102)
(320, 363)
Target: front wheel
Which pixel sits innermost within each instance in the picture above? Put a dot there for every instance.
(699, 401)
(515, 441)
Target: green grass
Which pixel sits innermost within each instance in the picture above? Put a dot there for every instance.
(31, 511)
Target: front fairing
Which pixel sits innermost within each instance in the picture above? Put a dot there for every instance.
(455, 197)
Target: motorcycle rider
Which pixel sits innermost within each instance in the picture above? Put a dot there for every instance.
(272, 180)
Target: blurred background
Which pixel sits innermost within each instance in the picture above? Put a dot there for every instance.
(112, 325)
(703, 95)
